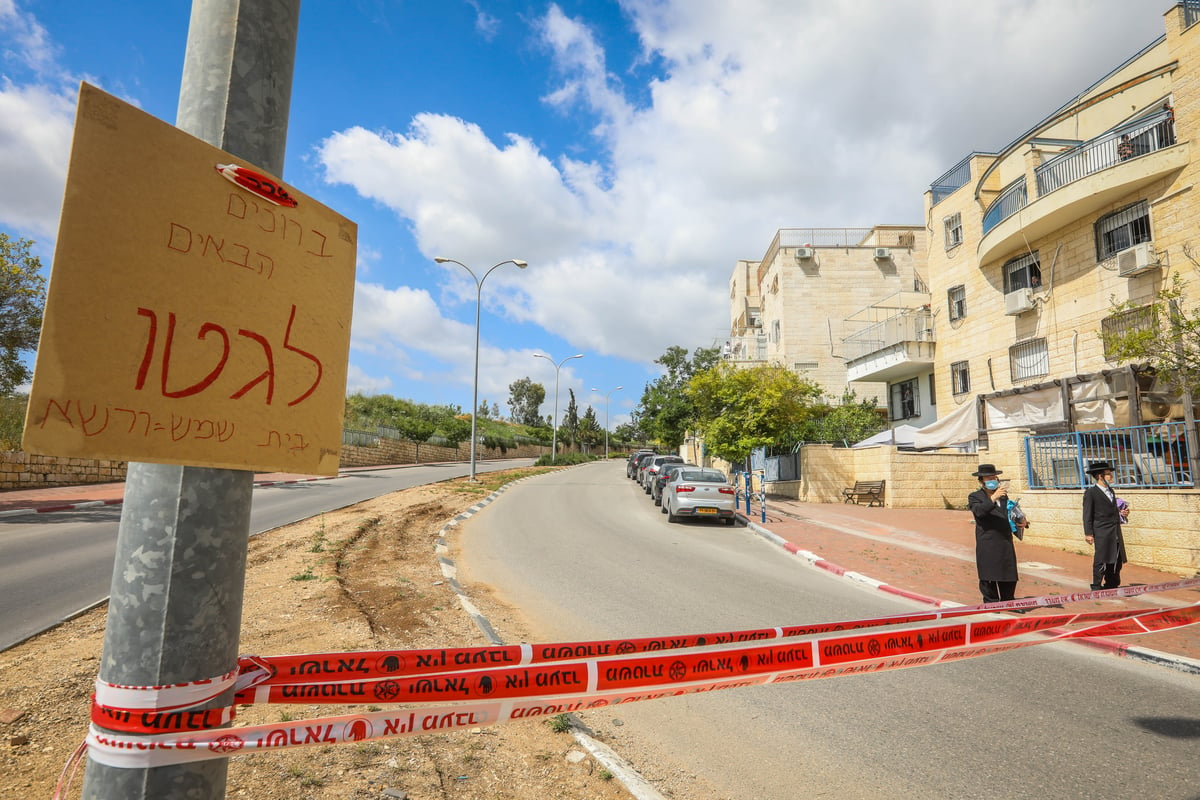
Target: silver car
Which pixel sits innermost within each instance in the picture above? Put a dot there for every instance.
(701, 492)
(652, 467)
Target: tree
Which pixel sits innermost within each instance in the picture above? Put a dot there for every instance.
(852, 421)
(570, 423)
(22, 300)
(741, 409)
(525, 399)
(1165, 336)
(666, 411)
(590, 432)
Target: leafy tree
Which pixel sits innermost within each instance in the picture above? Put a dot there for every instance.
(667, 411)
(495, 411)
(525, 400)
(484, 411)
(852, 421)
(22, 299)
(740, 409)
(570, 423)
(1167, 339)
(590, 432)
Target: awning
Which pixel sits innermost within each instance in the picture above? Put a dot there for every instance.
(901, 435)
(958, 427)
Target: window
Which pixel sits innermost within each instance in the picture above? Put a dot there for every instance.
(1024, 272)
(904, 399)
(1122, 229)
(954, 232)
(960, 377)
(1029, 360)
(932, 393)
(956, 299)
(775, 285)
(1119, 324)
(775, 331)
(804, 366)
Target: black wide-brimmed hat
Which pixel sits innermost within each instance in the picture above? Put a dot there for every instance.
(1099, 466)
(987, 469)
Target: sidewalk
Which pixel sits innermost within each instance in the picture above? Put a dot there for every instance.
(929, 555)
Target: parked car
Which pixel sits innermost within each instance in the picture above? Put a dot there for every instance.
(631, 462)
(699, 492)
(652, 468)
(640, 467)
(664, 474)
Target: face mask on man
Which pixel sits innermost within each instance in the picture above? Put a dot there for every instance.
(991, 485)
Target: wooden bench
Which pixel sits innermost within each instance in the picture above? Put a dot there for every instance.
(871, 490)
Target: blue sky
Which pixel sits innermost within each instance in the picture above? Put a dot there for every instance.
(630, 151)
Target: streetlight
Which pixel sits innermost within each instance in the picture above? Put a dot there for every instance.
(557, 367)
(478, 302)
(606, 418)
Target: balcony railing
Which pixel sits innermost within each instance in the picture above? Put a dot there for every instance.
(1010, 201)
(1143, 456)
(1129, 141)
(912, 325)
(954, 179)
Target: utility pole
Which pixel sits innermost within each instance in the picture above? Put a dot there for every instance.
(175, 608)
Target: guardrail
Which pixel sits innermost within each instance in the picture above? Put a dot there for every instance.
(1137, 138)
(1014, 197)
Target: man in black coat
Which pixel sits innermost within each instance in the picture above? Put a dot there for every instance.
(995, 556)
(1102, 527)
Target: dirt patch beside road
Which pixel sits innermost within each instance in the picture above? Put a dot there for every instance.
(362, 578)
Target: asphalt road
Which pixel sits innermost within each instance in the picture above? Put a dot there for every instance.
(584, 554)
(53, 565)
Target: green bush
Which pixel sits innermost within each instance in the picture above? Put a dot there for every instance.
(12, 420)
(565, 460)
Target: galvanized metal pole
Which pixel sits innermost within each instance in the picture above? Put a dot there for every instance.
(176, 601)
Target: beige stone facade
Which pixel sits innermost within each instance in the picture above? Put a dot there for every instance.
(791, 307)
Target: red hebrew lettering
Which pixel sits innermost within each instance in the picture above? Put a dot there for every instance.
(225, 431)
(176, 423)
(299, 230)
(211, 429)
(245, 262)
(296, 442)
(133, 418)
(268, 373)
(209, 240)
(272, 436)
(288, 346)
(321, 252)
(152, 334)
(265, 261)
(205, 382)
(83, 423)
(64, 412)
(270, 212)
(179, 235)
(236, 206)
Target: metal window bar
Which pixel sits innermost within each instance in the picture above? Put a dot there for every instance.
(1122, 229)
(1029, 359)
(1014, 197)
(960, 377)
(956, 299)
(954, 230)
(953, 180)
(1191, 13)
(1119, 324)
(1023, 272)
(1143, 456)
(1146, 135)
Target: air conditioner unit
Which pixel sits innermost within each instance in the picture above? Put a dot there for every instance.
(1018, 302)
(1137, 259)
(882, 253)
(804, 253)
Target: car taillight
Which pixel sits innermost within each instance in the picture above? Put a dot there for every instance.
(726, 490)
(685, 488)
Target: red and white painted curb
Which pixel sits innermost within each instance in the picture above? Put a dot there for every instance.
(1178, 662)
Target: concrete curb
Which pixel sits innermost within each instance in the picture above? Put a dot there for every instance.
(1170, 660)
(621, 770)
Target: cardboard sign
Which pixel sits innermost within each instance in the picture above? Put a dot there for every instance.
(198, 311)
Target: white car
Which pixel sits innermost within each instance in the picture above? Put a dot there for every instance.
(699, 492)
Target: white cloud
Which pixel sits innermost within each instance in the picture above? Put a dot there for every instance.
(759, 115)
(35, 129)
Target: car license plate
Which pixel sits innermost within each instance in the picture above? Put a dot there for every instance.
(706, 511)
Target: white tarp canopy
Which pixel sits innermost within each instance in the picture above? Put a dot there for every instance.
(901, 435)
(1025, 409)
(958, 427)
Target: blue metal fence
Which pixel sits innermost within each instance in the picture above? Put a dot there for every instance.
(1143, 456)
(1014, 197)
(954, 179)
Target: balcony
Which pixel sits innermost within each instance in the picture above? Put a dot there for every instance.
(1082, 181)
(895, 340)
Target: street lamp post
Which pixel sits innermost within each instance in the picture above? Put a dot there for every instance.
(557, 367)
(478, 302)
(606, 397)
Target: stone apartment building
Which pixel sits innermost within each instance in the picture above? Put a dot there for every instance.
(795, 306)
(1031, 251)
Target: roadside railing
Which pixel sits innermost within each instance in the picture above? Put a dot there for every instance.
(1143, 456)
